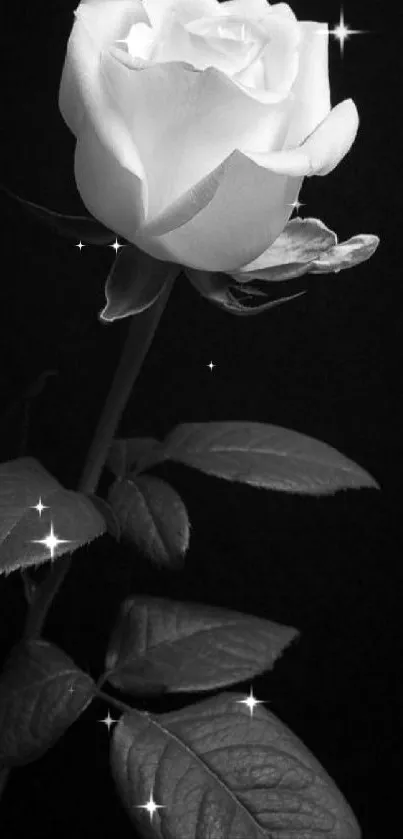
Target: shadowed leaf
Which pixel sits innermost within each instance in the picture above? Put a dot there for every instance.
(153, 517)
(42, 692)
(111, 520)
(190, 646)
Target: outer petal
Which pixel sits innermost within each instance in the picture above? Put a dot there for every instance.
(97, 24)
(224, 222)
(321, 152)
(111, 193)
(311, 89)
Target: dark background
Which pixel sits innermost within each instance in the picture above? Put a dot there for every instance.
(327, 365)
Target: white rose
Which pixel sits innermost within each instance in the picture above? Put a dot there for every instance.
(196, 122)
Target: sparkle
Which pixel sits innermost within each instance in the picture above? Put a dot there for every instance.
(150, 806)
(80, 245)
(115, 246)
(51, 541)
(211, 365)
(342, 32)
(108, 721)
(39, 506)
(296, 205)
(250, 702)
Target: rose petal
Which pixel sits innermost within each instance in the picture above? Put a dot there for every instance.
(176, 39)
(209, 113)
(321, 152)
(311, 91)
(157, 10)
(279, 61)
(247, 8)
(81, 92)
(172, 42)
(104, 21)
(110, 193)
(279, 9)
(234, 212)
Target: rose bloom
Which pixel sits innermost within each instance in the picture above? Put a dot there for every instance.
(196, 122)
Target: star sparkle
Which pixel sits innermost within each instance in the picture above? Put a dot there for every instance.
(211, 365)
(250, 702)
(150, 806)
(39, 506)
(108, 721)
(51, 541)
(341, 32)
(116, 246)
(80, 245)
(296, 205)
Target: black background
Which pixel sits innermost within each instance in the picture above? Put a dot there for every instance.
(327, 365)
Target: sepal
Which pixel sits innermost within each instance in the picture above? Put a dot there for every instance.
(135, 282)
(220, 290)
(79, 228)
(307, 246)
